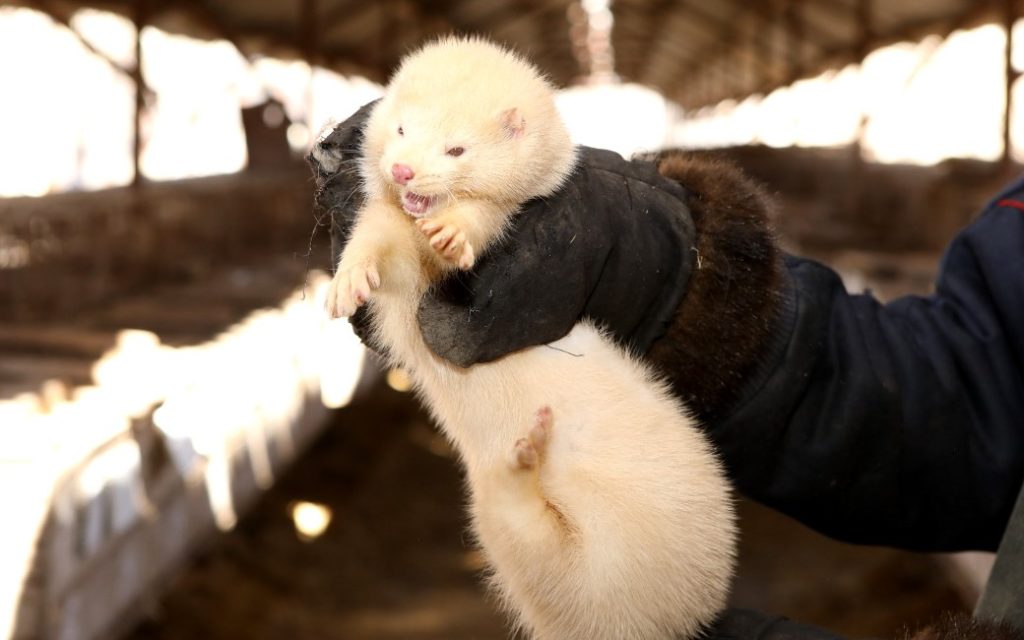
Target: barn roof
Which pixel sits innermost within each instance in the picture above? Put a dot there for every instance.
(696, 52)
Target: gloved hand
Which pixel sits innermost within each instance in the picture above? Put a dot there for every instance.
(569, 256)
(334, 161)
(621, 244)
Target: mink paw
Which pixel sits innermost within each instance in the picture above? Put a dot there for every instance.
(351, 288)
(449, 241)
(527, 452)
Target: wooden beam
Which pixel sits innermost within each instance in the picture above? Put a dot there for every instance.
(745, 48)
(755, 65)
(864, 15)
(139, 18)
(865, 27)
(309, 46)
(209, 19)
(812, 33)
(503, 12)
(656, 22)
(769, 45)
(64, 20)
(341, 11)
(976, 13)
(793, 18)
(1011, 75)
(817, 33)
(735, 68)
(309, 34)
(728, 33)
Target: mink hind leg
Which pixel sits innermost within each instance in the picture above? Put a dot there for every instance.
(524, 534)
(609, 523)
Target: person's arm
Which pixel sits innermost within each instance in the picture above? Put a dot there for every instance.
(895, 424)
(898, 424)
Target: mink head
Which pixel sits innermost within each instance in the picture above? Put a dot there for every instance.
(464, 118)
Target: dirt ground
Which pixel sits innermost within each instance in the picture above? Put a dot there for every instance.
(395, 562)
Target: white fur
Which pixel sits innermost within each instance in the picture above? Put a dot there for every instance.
(624, 527)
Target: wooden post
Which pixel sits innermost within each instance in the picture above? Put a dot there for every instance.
(865, 33)
(310, 48)
(1009, 17)
(704, 90)
(755, 40)
(865, 30)
(774, 46)
(794, 40)
(139, 17)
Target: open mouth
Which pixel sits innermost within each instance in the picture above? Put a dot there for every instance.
(416, 205)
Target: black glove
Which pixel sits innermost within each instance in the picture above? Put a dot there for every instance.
(613, 245)
(570, 256)
(335, 165)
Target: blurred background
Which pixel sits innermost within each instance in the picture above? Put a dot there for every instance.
(189, 449)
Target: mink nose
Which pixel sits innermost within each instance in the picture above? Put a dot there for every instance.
(402, 173)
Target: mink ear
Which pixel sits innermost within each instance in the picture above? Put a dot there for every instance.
(512, 122)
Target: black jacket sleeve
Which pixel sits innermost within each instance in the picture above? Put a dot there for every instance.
(898, 424)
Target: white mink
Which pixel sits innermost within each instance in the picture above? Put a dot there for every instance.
(599, 505)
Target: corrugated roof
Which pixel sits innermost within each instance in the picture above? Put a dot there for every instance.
(699, 52)
(696, 52)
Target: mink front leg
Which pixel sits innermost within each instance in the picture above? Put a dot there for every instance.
(460, 233)
(449, 241)
(359, 269)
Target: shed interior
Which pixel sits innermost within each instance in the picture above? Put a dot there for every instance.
(200, 284)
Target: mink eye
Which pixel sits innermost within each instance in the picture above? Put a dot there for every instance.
(455, 152)
(401, 132)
